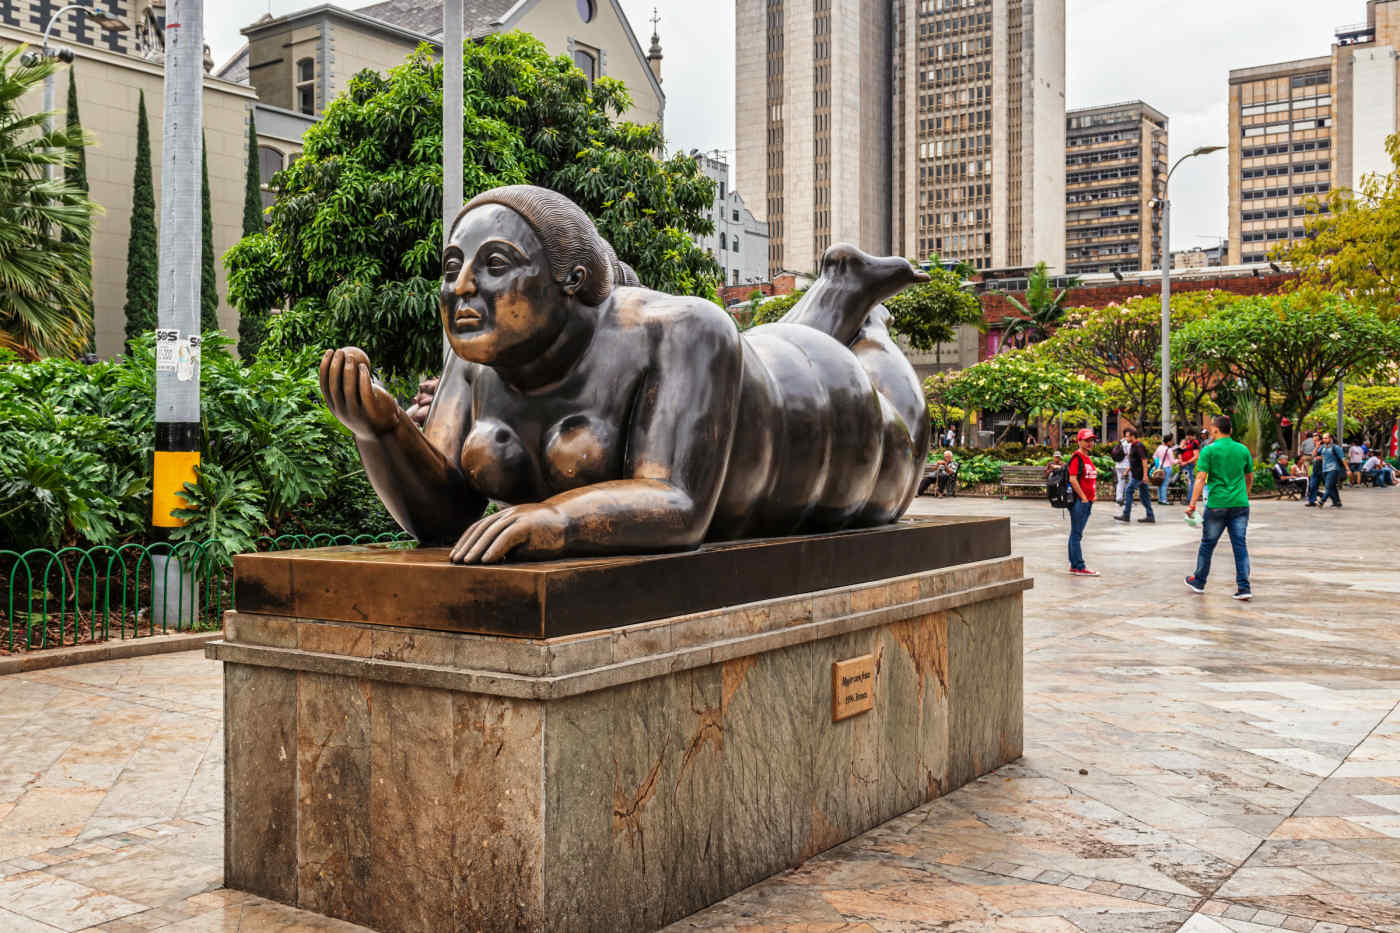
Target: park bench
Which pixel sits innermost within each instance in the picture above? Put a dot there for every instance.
(1022, 477)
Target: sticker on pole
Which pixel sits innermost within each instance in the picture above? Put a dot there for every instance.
(187, 358)
(167, 343)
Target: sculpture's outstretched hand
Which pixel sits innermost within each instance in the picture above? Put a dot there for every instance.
(534, 530)
(353, 396)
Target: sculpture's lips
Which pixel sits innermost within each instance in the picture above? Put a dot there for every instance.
(465, 317)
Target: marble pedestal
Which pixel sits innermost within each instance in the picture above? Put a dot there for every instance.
(613, 780)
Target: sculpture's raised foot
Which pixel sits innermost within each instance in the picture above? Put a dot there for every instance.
(615, 779)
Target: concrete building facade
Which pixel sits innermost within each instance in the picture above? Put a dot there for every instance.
(1301, 129)
(918, 127)
(740, 240)
(1115, 165)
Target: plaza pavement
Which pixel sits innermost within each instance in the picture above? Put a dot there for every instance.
(1191, 762)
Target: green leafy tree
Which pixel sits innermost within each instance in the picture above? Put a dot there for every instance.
(45, 265)
(1290, 351)
(1371, 410)
(1354, 247)
(1025, 383)
(142, 272)
(929, 314)
(1040, 313)
(771, 310)
(75, 173)
(208, 284)
(252, 322)
(352, 249)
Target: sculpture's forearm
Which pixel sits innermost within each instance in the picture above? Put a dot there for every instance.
(424, 491)
(631, 515)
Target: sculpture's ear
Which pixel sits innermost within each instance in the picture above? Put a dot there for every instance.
(578, 277)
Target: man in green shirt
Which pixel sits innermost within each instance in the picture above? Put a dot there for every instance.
(1227, 467)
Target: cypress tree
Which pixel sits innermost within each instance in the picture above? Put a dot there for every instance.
(208, 285)
(251, 324)
(76, 174)
(252, 185)
(142, 265)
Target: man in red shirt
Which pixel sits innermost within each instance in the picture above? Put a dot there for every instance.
(1083, 476)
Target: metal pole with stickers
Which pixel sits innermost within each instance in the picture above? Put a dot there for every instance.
(177, 442)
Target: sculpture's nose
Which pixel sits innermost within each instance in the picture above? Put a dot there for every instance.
(465, 284)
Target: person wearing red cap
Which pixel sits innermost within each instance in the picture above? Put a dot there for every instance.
(1083, 476)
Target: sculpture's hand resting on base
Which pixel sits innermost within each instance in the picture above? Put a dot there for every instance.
(533, 531)
(607, 417)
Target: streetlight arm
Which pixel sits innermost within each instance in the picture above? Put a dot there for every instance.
(57, 16)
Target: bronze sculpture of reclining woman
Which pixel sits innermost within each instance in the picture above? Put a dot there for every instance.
(608, 418)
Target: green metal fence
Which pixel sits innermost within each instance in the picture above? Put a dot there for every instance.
(73, 595)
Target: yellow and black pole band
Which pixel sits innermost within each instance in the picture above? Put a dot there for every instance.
(177, 455)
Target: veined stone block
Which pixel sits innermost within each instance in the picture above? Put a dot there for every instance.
(617, 779)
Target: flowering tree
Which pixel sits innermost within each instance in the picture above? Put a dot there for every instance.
(1024, 382)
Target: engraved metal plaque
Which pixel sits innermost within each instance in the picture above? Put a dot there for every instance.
(852, 687)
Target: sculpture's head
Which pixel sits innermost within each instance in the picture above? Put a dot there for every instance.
(519, 261)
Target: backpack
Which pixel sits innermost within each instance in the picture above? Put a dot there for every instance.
(1058, 489)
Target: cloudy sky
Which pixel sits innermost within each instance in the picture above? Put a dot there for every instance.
(1174, 54)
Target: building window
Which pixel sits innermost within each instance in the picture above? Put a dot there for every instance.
(586, 62)
(306, 86)
(736, 217)
(736, 276)
(587, 10)
(736, 243)
(723, 243)
(269, 164)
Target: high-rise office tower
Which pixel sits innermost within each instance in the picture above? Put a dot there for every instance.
(914, 127)
(979, 131)
(1115, 164)
(813, 124)
(1300, 129)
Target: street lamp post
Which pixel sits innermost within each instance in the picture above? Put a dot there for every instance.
(1168, 428)
(102, 18)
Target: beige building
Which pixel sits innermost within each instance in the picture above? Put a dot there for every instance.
(1301, 129)
(919, 127)
(291, 67)
(978, 161)
(110, 76)
(301, 61)
(1115, 164)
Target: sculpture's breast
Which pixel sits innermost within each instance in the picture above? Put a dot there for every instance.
(580, 450)
(497, 464)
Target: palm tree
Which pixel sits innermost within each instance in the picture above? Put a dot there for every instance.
(1040, 315)
(45, 280)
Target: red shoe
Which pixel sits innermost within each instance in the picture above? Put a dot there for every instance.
(1086, 572)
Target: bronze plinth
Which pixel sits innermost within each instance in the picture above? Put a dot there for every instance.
(609, 418)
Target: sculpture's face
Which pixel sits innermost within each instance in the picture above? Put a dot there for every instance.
(500, 304)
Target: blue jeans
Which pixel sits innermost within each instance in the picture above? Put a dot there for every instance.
(1330, 480)
(1166, 481)
(1217, 522)
(1138, 487)
(1078, 518)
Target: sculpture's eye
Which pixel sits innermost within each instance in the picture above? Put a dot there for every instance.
(497, 263)
(451, 267)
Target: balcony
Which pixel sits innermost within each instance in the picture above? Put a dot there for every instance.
(1356, 34)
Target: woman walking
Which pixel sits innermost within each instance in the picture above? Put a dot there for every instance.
(1166, 462)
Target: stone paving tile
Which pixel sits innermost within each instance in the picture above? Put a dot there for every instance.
(1191, 763)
